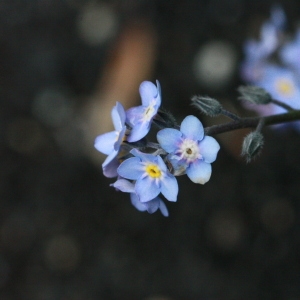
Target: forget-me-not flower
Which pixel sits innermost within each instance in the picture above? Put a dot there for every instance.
(151, 176)
(290, 53)
(257, 52)
(140, 117)
(149, 206)
(282, 85)
(109, 143)
(190, 149)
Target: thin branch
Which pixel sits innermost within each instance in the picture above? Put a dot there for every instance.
(283, 105)
(230, 115)
(253, 122)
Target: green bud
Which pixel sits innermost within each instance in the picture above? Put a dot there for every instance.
(252, 145)
(207, 105)
(254, 94)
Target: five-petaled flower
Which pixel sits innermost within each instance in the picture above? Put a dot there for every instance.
(149, 206)
(110, 143)
(189, 149)
(151, 176)
(140, 117)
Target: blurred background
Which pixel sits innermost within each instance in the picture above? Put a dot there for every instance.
(64, 233)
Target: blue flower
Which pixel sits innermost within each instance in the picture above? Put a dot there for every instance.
(110, 143)
(149, 206)
(283, 85)
(290, 53)
(258, 51)
(189, 149)
(140, 117)
(151, 175)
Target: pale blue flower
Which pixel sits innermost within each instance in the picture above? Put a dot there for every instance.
(151, 175)
(189, 149)
(149, 206)
(109, 143)
(282, 85)
(140, 117)
(257, 52)
(290, 53)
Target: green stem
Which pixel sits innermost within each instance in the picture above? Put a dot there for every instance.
(283, 105)
(230, 115)
(253, 122)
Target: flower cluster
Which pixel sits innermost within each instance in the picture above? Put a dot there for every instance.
(273, 63)
(145, 169)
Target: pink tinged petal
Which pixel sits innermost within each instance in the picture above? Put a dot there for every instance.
(169, 139)
(110, 167)
(199, 172)
(209, 148)
(139, 131)
(124, 186)
(146, 189)
(137, 203)
(105, 142)
(163, 209)
(148, 92)
(192, 128)
(169, 188)
(131, 168)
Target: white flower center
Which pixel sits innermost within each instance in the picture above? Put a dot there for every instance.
(149, 112)
(189, 150)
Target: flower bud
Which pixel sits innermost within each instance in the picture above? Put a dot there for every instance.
(254, 94)
(252, 145)
(207, 105)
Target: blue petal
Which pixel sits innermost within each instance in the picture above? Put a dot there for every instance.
(146, 189)
(209, 148)
(131, 168)
(199, 172)
(110, 167)
(138, 131)
(161, 164)
(163, 208)
(179, 165)
(124, 185)
(105, 142)
(148, 92)
(192, 128)
(169, 188)
(152, 205)
(144, 156)
(169, 139)
(137, 203)
(134, 115)
(120, 139)
(118, 116)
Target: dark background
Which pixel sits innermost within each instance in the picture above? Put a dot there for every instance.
(64, 233)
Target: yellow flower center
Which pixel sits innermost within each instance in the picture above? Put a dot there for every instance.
(285, 87)
(153, 171)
